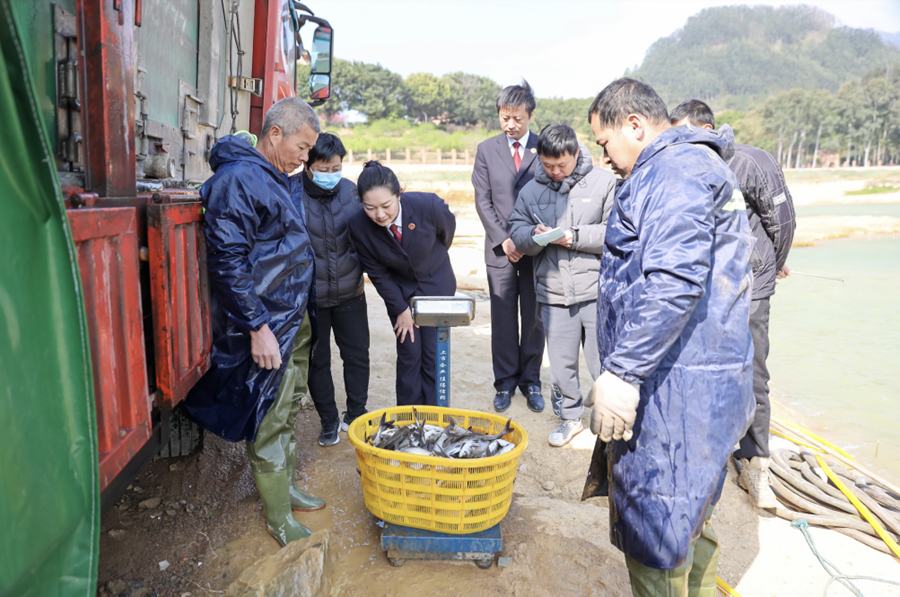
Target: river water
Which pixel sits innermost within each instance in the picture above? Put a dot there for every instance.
(835, 347)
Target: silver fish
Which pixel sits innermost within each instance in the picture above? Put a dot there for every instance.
(452, 441)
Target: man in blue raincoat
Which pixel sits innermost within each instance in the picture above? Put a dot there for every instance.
(676, 392)
(261, 269)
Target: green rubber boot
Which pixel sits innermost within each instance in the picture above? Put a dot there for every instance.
(273, 489)
(303, 502)
(300, 501)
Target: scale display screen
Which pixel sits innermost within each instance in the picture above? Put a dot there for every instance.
(443, 311)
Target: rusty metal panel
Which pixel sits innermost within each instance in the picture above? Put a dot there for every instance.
(180, 294)
(266, 28)
(106, 32)
(107, 245)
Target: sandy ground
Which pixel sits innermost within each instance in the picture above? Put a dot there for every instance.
(209, 524)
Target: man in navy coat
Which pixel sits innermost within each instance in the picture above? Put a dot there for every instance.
(262, 279)
(503, 166)
(676, 392)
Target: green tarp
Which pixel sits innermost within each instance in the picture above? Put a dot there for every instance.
(49, 491)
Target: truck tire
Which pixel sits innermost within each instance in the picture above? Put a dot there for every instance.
(185, 436)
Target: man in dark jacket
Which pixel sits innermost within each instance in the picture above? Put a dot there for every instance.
(503, 166)
(676, 392)
(568, 193)
(261, 269)
(330, 201)
(771, 214)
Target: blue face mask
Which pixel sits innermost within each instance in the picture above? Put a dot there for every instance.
(326, 180)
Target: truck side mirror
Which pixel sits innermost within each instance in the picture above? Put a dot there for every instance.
(319, 87)
(321, 56)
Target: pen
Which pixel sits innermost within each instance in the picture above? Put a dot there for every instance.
(536, 217)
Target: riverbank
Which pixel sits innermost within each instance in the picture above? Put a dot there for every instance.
(808, 188)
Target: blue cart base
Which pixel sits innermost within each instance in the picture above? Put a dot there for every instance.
(406, 543)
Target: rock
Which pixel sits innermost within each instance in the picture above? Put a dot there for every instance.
(503, 562)
(164, 564)
(117, 533)
(548, 485)
(123, 506)
(149, 504)
(171, 512)
(300, 569)
(176, 466)
(116, 587)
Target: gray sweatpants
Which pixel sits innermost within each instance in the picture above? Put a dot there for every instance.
(567, 330)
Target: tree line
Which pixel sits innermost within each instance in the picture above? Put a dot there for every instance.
(456, 99)
(858, 125)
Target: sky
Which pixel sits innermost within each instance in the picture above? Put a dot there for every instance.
(564, 48)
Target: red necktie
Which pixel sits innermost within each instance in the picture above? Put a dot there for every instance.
(516, 157)
(396, 232)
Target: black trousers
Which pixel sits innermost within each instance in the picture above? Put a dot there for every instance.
(756, 442)
(516, 359)
(350, 322)
(416, 368)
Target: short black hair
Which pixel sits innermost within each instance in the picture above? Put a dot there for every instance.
(517, 95)
(327, 146)
(376, 176)
(557, 140)
(697, 113)
(627, 96)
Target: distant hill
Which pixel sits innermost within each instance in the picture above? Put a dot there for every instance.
(892, 39)
(734, 57)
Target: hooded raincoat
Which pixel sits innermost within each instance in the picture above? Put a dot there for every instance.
(672, 317)
(261, 271)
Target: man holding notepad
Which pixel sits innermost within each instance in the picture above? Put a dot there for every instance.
(560, 219)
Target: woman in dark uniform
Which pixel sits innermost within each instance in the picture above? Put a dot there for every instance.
(402, 241)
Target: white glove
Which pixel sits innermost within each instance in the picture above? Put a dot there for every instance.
(615, 403)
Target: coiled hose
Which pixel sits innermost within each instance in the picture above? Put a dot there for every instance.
(842, 496)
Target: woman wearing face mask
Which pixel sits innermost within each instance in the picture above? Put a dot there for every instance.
(329, 202)
(402, 239)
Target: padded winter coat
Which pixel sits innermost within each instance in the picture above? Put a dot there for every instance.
(581, 203)
(673, 317)
(339, 275)
(770, 211)
(261, 271)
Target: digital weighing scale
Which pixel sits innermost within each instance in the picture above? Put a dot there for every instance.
(407, 543)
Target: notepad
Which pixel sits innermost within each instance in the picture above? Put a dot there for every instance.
(548, 237)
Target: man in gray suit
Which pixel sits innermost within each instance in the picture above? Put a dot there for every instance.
(503, 165)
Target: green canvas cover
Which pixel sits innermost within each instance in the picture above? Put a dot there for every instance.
(49, 489)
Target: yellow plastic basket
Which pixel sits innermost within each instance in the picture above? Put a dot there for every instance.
(448, 495)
